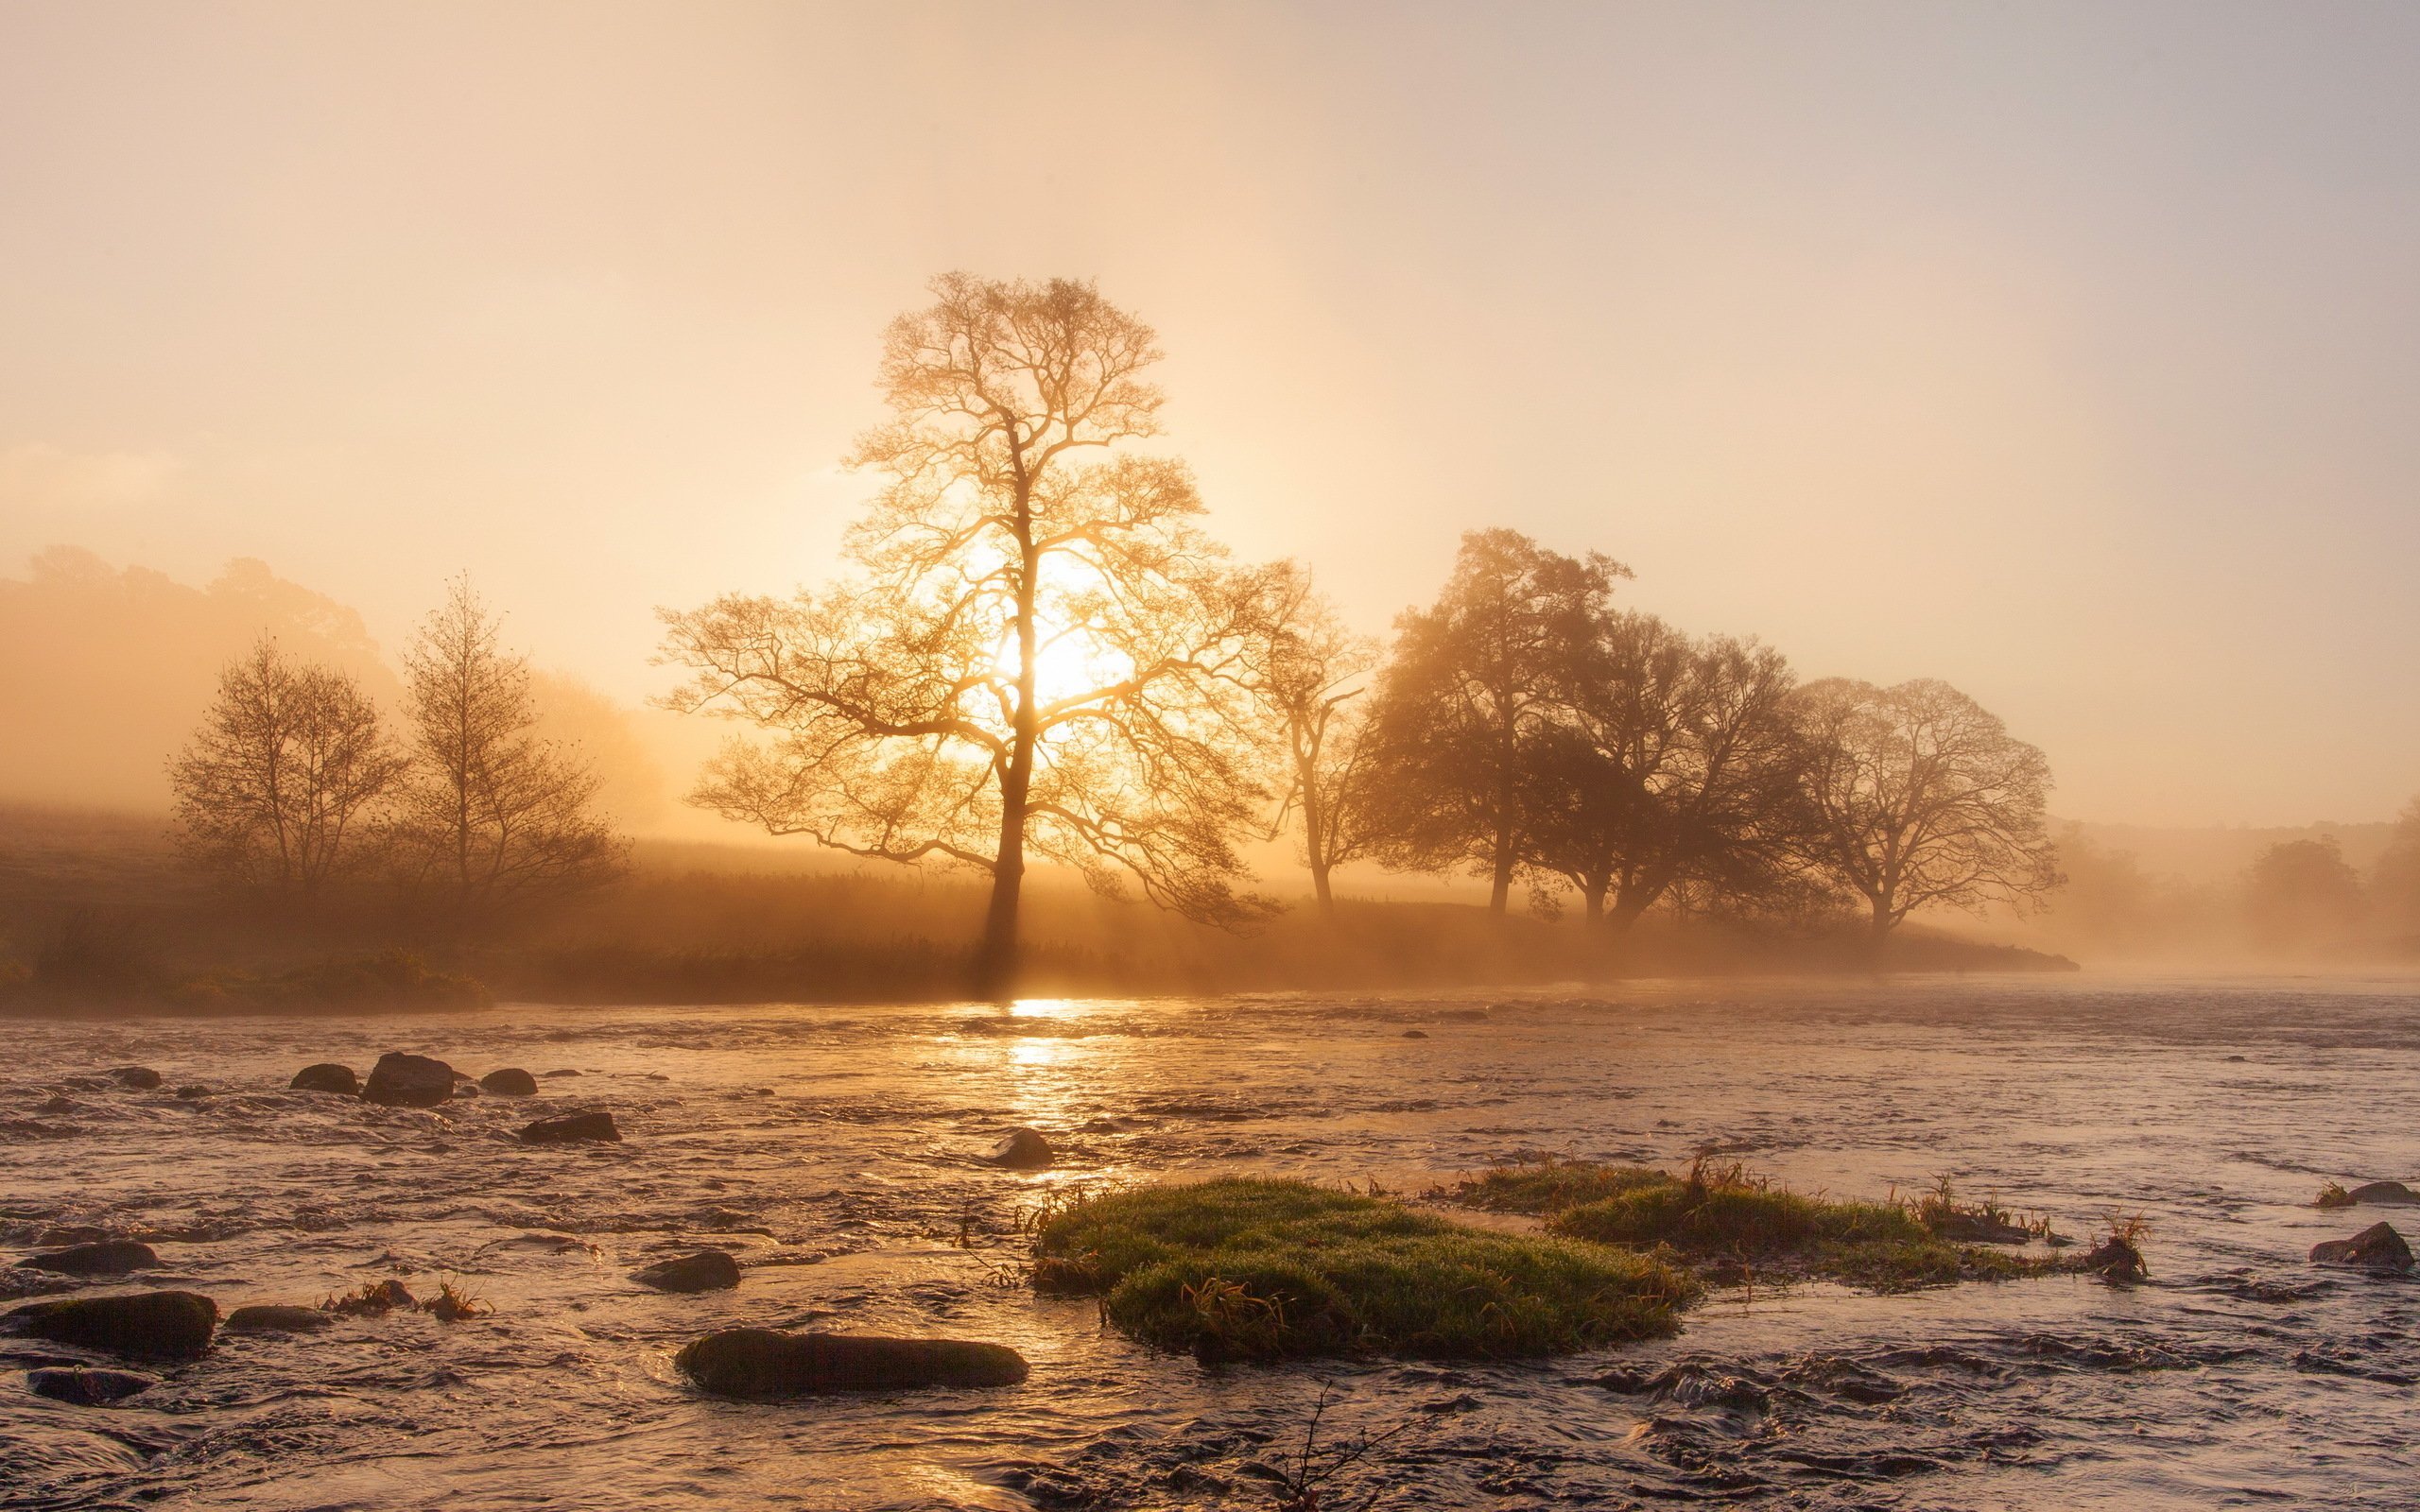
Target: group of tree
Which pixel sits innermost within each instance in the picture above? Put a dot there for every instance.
(296, 789)
(1041, 654)
(2303, 895)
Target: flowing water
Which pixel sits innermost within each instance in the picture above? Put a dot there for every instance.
(834, 1151)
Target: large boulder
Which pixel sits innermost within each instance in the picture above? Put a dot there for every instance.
(763, 1363)
(141, 1079)
(708, 1270)
(571, 1129)
(408, 1081)
(326, 1077)
(273, 1318)
(2376, 1247)
(166, 1325)
(510, 1082)
(1021, 1149)
(86, 1388)
(109, 1257)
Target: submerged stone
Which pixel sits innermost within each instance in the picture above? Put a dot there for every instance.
(408, 1081)
(168, 1324)
(326, 1077)
(572, 1129)
(2117, 1259)
(2376, 1247)
(109, 1257)
(142, 1078)
(763, 1363)
(708, 1270)
(270, 1318)
(87, 1388)
(512, 1081)
(2385, 1195)
(1021, 1149)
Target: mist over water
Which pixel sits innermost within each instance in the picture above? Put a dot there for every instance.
(833, 1150)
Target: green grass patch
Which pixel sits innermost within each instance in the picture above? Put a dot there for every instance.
(1731, 1224)
(1256, 1269)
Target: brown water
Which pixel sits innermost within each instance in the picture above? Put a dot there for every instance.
(831, 1149)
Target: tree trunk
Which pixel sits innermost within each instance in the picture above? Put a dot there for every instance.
(1593, 893)
(996, 964)
(1319, 889)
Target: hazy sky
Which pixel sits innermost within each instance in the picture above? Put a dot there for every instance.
(2068, 354)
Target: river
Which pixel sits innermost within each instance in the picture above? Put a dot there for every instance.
(834, 1151)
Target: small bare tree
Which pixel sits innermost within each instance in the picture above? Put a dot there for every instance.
(1040, 651)
(1307, 669)
(494, 819)
(280, 783)
(1917, 794)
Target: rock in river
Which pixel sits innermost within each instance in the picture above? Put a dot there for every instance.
(2385, 1194)
(2116, 1259)
(1022, 1149)
(708, 1270)
(2376, 1247)
(571, 1127)
(111, 1257)
(510, 1082)
(270, 1318)
(141, 1079)
(171, 1325)
(408, 1081)
(326, 1077)
(762, 1362)
(87, 1388)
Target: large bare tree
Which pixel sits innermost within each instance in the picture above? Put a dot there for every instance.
(1308, 669)
(1476, 681)
(495, 819)
(1917, 794)
(278, 785)
(1039, 651)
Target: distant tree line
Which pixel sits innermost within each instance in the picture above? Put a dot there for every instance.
(1041, 653)
(296, 790)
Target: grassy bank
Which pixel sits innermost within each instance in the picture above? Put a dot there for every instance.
(1255, 1269)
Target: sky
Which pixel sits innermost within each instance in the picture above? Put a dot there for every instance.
(2065, 353)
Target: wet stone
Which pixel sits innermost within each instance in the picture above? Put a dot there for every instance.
(87, 1388)
(511, 1081)
(708, 1270)
(167, 1325)
(326, 1077)
(141, 1079)
(2376, 1247)
(408, 1081)
(1021, 1149)
(2117, 1260)
(573, 1128)
(2385, 1195)
(764, 1362)
(109, 1257)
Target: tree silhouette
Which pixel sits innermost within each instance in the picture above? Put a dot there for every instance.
(1917, 794)
(1675, 761)
(1039, 651)
(278, 785)
(494, 819)
(1478, 680)
(1308, 670)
